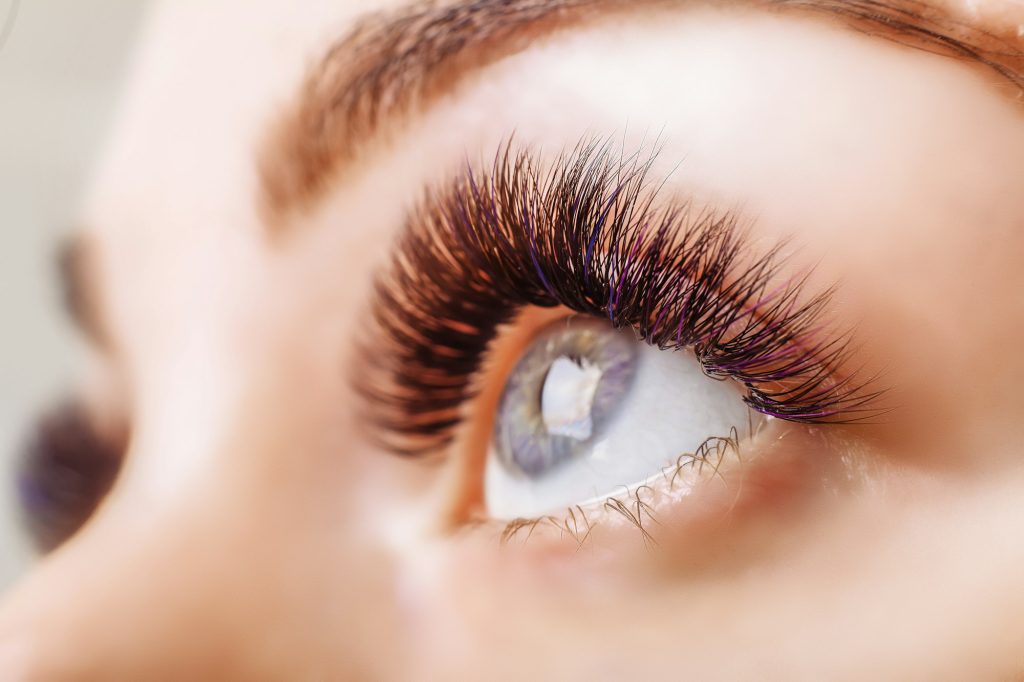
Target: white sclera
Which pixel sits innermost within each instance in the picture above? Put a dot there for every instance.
(671, 409)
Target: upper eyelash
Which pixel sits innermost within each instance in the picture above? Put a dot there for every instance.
(588, 234)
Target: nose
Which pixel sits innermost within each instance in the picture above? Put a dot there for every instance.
(249, 568)
(234, 543)
(221, 589)
(218, 590)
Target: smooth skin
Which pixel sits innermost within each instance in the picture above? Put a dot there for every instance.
(255, 533)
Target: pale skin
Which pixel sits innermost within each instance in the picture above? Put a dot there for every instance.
(256, 534)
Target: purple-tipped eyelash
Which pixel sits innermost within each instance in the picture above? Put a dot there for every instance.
(587, 234)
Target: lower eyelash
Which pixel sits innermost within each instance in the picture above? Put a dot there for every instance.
(588, 234)
(579, 521)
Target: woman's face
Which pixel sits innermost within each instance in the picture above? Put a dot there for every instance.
(353, 304)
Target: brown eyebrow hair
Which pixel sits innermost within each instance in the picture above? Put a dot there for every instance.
(394, 63)
(76, 273)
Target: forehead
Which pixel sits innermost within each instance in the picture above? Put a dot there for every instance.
(207, 78)
(212, 76)
(738, 95)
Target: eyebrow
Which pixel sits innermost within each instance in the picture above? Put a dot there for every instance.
(396, 63)
(76, 272)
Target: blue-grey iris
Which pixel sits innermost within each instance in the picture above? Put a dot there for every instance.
(562, 393)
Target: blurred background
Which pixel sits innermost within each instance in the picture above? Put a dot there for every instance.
(61, 67)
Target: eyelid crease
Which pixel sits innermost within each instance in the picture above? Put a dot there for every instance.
(588, 234)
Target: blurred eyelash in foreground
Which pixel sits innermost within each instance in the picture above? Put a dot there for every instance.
(592, 234)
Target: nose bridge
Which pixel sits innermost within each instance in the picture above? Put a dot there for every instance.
(119, 595)
(251, 382)
(212, 591)
(225, 550)
(239, 564)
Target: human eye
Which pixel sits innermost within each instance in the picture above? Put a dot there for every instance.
(70, 463)
(589, 410)
(626, 339)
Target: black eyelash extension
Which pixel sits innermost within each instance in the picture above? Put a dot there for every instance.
(589, 234)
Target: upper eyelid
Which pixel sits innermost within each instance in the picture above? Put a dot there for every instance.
(464, 257)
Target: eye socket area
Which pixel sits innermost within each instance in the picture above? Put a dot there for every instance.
(584, 234)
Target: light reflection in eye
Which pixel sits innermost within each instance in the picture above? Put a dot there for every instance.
(589, 410)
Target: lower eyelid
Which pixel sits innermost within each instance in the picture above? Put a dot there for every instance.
(686, 506)
(699, 488)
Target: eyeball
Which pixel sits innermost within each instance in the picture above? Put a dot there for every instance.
(589, 410)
